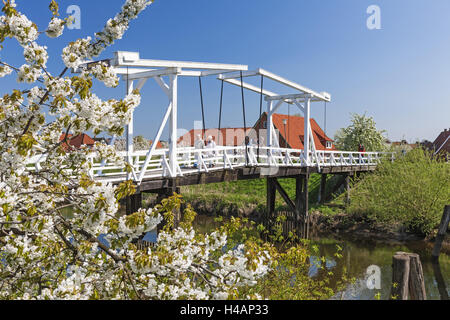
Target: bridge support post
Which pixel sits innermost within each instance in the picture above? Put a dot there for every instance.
(271, 196)
(305, 207)
(323, 186)
(347, 189)
(298, 198)
(133, 203)
(299, 206)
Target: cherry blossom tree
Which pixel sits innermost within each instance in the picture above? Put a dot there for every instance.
(48, 253)
(363, 130)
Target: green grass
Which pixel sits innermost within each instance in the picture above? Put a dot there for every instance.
(251, 194)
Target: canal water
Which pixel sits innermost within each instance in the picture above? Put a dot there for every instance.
(358, 256)
(367, 260)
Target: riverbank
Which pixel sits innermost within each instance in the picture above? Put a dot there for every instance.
(326, 221)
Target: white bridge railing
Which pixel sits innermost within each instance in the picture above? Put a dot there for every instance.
(191, 160)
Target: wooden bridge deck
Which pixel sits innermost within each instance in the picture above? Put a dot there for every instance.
(231, 164)
(155, 184)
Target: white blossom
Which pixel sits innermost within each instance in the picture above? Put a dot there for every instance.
(28, 74)
(35, 54)
(5, 71)
(106, 75)
(62, 235)
(55, 28)
(21, 28)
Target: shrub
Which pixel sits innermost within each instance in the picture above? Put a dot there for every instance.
(412, 191)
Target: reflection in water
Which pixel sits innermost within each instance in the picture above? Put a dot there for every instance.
(440, 280)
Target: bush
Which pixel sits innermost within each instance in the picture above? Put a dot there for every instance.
(411, 191)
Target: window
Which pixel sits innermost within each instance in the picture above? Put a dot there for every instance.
(329, 145)
(265, 125)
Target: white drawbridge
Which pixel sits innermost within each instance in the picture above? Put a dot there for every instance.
(176, 161)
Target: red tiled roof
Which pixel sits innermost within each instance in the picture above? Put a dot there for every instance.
(76, 141)
(158, 145)
(228, 136)
(295, 131)
(442, 142)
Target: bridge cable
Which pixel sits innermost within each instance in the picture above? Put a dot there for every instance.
(203, 107)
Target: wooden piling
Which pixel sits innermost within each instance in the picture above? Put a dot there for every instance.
(305, 207)
(133, 203)
(407, 277)
(299, 198)
(347, 190)
(400, 277)
(271, 196)
(416, 281)
(441, 232)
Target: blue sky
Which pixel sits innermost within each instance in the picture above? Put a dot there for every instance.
(400, 74)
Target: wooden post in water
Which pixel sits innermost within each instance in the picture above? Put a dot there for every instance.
(442, 288)
(441, 233)
(407, 277)
(400, 277)
(416, 281)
